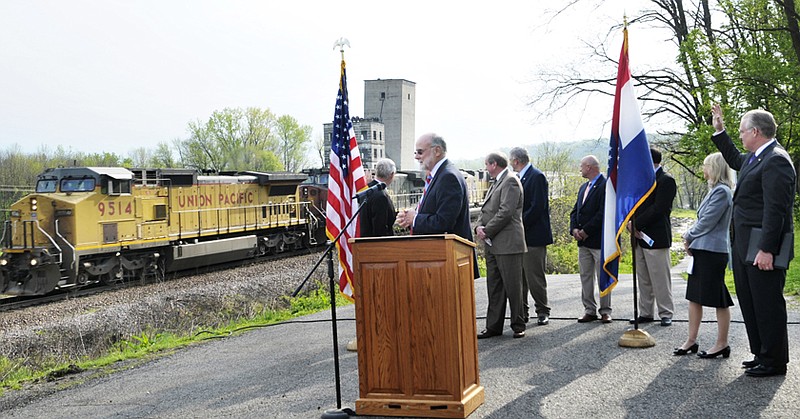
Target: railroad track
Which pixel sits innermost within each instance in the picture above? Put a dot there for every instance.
(9, 303)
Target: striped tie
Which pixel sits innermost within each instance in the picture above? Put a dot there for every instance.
(586, 192)
(424, 190)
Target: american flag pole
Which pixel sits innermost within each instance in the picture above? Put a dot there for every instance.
(346, 177)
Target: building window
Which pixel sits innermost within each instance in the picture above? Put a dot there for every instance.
(374, 153)
(374, 135)
(380, 135)
(409, 96)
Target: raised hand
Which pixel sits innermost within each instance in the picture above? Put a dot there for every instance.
(716, 117)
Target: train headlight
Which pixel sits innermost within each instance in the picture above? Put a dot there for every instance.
(3, 262)
(34, 204)
(34, 262)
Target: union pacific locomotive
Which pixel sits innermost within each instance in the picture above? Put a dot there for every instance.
(85, 225)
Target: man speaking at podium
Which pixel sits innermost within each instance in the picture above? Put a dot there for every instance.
(444, 206)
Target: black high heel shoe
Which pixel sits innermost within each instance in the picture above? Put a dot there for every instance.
(725, 352)
(680, 351)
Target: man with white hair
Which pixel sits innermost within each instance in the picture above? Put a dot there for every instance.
(377, 214)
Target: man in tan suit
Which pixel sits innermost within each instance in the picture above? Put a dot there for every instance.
(500, 228)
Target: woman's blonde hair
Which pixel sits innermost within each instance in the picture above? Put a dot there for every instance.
(718, 170)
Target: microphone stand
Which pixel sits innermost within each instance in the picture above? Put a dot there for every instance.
(338, 412)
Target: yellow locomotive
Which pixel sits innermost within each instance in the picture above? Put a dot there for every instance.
(85, 225)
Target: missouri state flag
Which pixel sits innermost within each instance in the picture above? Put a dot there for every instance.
(346, 179)
(631, 178)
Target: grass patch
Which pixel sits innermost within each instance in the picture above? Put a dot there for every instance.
(684, 213)
(793, 274)
(14, 373)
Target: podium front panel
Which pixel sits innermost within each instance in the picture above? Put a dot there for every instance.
(382, 317)
(433, 321)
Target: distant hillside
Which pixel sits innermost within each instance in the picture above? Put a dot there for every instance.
(574, 151)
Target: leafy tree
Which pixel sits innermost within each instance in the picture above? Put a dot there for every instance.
(743, 54)
(140, 157)
(162, 156)
(293, 139)
(319, 150)
(559, 166)
(231, 139)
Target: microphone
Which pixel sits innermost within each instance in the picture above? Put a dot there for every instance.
(363, 196)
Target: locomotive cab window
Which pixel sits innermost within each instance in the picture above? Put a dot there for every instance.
(77, 185)
(47, 185)
(116, 187)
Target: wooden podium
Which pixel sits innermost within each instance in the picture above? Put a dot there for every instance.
(415, 324)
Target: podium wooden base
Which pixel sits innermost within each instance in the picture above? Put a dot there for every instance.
(419, 408)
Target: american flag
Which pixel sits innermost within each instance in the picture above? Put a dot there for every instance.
(345, 180)
(631, 178)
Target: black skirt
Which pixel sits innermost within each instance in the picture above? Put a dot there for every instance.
(706, 284)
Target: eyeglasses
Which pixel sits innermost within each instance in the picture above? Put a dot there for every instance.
(420, 151)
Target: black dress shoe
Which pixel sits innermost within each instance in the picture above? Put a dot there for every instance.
(751, 364)
(487, 334)
(586, 318)
(765, 371)
(725, 352)
(641, 319)
(543, 320)
(680, 351)
(666, 321)
(518, 335)
(605, 318)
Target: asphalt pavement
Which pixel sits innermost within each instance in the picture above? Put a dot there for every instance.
(565, 370)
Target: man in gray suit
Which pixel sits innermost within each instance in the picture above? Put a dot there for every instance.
(500, 228)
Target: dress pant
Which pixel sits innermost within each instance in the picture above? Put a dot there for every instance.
(760, 295)
(590, 264)
(533, 264)
(504, 283)
(655, 282)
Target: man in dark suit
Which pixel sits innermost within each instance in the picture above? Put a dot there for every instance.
(653, 261)
(500, 228)
(586, 226)
(444, 207)
(377, 215)
(763, 199)
(536, 220)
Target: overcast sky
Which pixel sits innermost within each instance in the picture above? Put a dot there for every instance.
(116, 75)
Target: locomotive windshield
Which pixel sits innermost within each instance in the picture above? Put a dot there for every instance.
(77, 185)
(46, 186)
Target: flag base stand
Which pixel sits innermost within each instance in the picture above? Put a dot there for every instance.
(337, 413)
(636, 338)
